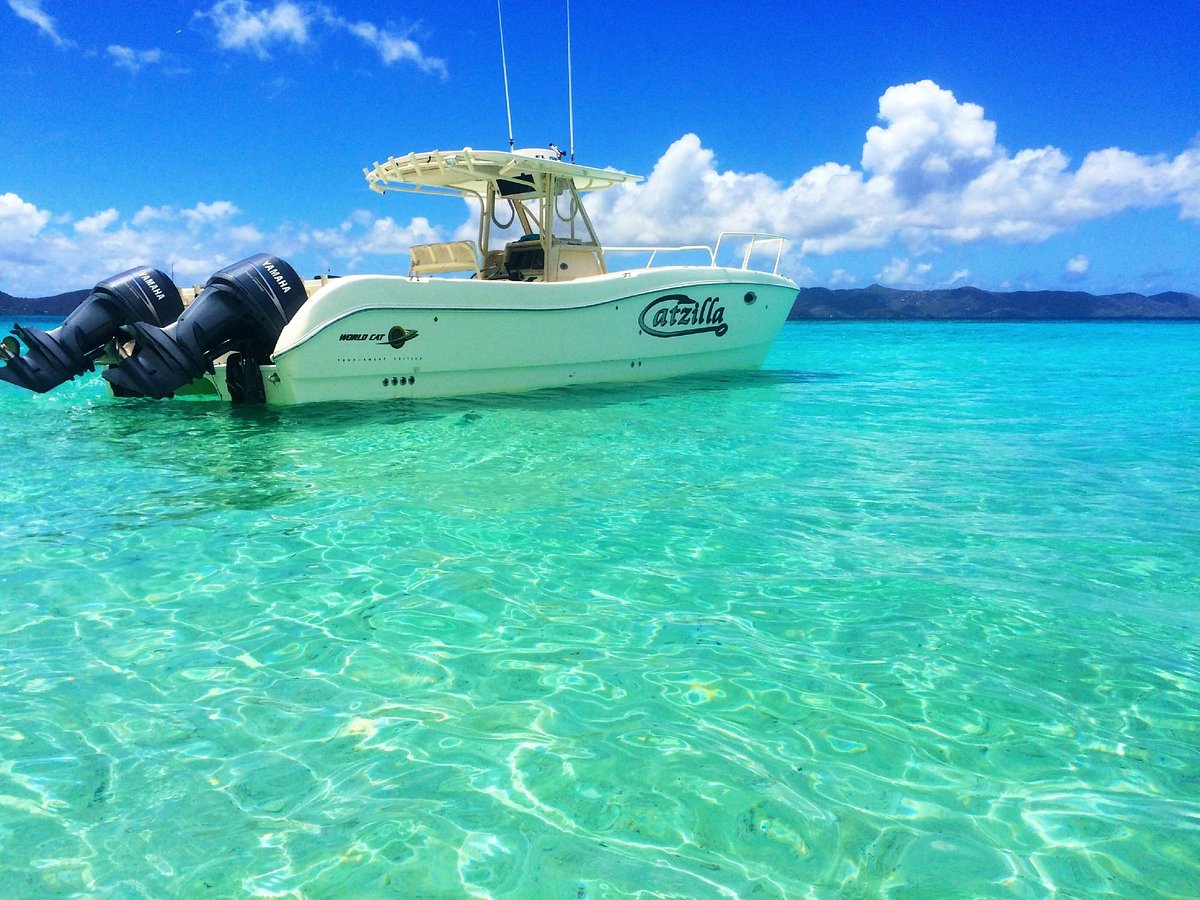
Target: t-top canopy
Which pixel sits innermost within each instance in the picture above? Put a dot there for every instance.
(458, 172)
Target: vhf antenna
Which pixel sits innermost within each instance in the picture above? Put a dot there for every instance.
(570, 84)
(504, 63)
(570, 92)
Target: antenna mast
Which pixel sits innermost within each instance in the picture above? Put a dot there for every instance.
(504, 63)
(570, 92)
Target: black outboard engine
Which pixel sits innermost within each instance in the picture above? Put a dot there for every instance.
(141, 294)
(243, 307)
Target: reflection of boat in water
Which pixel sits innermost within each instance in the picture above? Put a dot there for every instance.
(532, 303)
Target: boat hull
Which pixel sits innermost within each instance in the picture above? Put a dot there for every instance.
(384, 337)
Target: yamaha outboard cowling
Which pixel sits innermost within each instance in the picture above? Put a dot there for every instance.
(141, 294)
(243, 307)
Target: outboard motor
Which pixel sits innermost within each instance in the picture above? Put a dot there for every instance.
(141, 294)
(243, 307)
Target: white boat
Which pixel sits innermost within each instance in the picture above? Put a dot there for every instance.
(534, 302)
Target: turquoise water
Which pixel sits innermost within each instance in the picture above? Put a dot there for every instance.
(912, 612)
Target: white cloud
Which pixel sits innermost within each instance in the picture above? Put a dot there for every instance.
(209, 213)
(346, 246)
(932, 175)
(902, 273)
(42, 253)
(250, 28)
(20, 221)
(393, 46)
(31, 11)
(241, 26)
(385, 236)
(931, 142)
(1078, 265)
(133, 60)
(93, 225)
(960, 276)
(684, 198)
(152, 214)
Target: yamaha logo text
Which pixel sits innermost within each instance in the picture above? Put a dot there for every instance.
(275, 274)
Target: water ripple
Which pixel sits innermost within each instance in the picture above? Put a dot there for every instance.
(877, 620)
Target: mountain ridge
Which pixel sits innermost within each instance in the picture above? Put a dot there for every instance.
(875, 302)
(56, 305)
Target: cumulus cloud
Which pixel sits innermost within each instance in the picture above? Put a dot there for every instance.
(902, 273)
(203, 214)
(133, 60)
(20, 221)
(44, 253)
(931, 175)
(258, 29)
(94, 225)
(931, 143)
(31, 11)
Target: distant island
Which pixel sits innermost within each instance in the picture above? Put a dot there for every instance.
(973, 304)
(58, 305)
(875, 303)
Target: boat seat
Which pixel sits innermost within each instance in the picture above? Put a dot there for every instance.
(447, 256)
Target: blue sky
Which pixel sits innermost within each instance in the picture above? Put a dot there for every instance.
(920, 145)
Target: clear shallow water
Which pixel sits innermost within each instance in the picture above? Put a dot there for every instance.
(912, 611)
